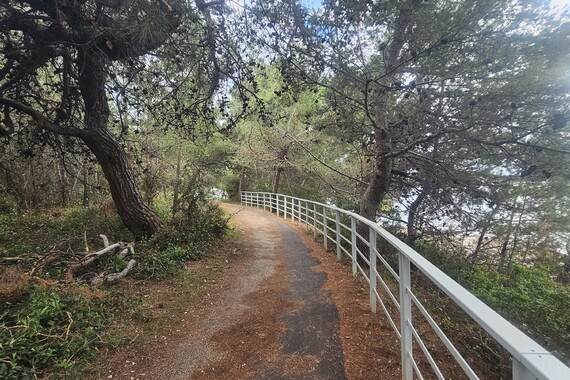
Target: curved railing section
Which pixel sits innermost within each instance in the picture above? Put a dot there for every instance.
(338, 228)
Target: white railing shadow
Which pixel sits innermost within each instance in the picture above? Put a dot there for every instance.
(530, 361)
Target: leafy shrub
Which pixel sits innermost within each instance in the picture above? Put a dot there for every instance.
(184, 239)
(49, 331)
(529, 297)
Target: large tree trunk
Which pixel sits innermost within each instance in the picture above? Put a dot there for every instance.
(381, 177)
(140, 219)
(380, 181)
(137, 217)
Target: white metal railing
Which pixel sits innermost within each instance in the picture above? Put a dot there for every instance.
(530, 361)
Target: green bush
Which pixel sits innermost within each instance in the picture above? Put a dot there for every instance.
(529, 297)
(48, 332)
(185, 238)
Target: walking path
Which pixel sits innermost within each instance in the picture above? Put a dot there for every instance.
(273, 316)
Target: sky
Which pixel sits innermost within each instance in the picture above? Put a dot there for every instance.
(315, 3)
(311, 4)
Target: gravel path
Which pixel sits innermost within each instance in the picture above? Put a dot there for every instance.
(270, 319)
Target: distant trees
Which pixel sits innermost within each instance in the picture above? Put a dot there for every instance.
(450, 118)
(455, 105)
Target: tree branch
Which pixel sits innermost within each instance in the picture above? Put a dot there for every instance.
(42, 121)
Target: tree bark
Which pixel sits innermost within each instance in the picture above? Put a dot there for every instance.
(381, 178)
(85, 170)
(412, 213)
(279, 167)
(63, 181)
(277, 178)
(140, 219)
(135, 214)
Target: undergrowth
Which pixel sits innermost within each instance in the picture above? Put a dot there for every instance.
(186, 238)
(35, 233)
(48, 331)
(530, 298)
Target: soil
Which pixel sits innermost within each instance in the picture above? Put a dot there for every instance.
(275, 305)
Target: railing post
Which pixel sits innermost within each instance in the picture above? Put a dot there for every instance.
(353, 243)
(292, 210)
(314, 221)
(520, 372)
(263, 201)
(276, 197)
(285, 206)
(325, 229)
(338, 239)
(405, 318)
(372, 241)
(241, 198)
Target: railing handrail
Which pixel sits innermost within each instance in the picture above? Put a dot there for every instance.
(524, 351)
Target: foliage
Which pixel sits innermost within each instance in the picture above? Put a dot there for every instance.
(445, 113)
(49, 332)
(185, 238)
(529, 297)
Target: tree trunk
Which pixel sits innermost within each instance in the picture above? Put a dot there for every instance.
(135, 214)
(85, 170)
(412, 213)
(504, 247)
(63, 182)
(278, 171)
(380, 182)
(377, 188)
(176, 191)
(481, 239)
(240, 183)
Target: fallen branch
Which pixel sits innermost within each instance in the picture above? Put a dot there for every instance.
(105, 240)
(10, 260)
(90, 258)
(129, 249)
(45, 261)
(104, 279)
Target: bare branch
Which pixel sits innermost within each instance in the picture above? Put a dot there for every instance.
(42, 121)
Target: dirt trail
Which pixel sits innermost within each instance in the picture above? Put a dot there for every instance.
(269, 318)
